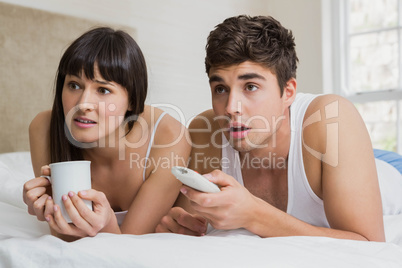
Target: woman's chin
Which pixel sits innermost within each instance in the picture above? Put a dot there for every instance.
(85, 142)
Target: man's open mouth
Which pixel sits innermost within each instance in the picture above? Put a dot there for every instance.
(238, 128)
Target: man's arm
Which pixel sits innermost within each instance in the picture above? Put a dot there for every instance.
(349, 183)
(344, 176)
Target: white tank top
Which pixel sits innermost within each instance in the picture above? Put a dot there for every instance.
(303, 203)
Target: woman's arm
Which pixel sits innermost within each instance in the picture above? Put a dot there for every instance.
(159, 191)
(37, 191)
(205, 151)
(39, 141)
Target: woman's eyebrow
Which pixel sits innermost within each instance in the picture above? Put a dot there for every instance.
(103, 82)
(73, 75)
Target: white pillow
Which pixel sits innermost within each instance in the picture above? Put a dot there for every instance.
(15, 170)
(390, 181)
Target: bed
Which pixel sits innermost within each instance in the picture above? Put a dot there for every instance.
(26, 242)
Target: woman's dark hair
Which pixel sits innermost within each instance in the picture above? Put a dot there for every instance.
(258, 39)
(119, 59)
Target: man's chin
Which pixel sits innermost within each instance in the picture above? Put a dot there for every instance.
(241, 146)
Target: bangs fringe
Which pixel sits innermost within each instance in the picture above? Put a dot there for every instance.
(105, 54)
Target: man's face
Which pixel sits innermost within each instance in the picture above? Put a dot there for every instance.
(246, 98)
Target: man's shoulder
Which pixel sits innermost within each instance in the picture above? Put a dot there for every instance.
(325, 120)
(206, 119)
(327, 103)
(206, 137)
(204, 127)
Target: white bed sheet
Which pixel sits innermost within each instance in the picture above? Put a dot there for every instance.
(26, 242)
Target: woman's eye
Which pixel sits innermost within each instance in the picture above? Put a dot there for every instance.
(103, 90)
(74, 86)
(251, 88)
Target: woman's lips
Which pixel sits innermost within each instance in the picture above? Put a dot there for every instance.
(84, 122)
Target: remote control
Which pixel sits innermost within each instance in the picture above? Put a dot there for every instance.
(194, 180)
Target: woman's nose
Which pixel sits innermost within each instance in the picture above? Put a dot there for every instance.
(87, 101)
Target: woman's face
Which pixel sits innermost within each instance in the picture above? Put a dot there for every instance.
(94, 109)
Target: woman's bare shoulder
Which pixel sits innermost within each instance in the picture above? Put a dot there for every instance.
(168, 129)
(167, 132)
(41, 121)
(39, 140)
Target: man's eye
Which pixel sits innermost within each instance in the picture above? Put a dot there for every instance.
(220, 90)
(251, 88)
(103, 90)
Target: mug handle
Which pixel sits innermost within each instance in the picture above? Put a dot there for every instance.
(47, 177)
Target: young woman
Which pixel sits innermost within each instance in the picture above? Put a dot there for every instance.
(99, 115)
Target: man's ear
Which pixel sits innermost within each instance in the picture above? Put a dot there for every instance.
(289, 92)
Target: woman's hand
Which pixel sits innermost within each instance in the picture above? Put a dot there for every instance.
(85, 221)
(36, 193)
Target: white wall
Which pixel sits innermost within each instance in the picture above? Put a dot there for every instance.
(304, 19)
(172, 35)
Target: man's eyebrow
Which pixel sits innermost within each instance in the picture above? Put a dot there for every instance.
(215, 78)
(248, 76)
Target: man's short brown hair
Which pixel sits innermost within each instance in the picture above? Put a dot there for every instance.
(258, 39)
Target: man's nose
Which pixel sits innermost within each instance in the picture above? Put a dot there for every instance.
(234, 104)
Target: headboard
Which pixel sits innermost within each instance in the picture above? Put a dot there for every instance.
(31, 44)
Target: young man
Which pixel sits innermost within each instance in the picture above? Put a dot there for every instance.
(286, 164)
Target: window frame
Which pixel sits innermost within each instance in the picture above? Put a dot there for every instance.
(336, 66)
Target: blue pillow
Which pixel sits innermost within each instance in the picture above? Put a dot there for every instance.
(392, 158)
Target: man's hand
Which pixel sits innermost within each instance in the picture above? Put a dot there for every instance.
(228, 209)
(180, 221)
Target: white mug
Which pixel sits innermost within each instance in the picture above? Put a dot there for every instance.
(69, 176)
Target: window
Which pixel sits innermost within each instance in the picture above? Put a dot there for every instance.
(368, 40)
